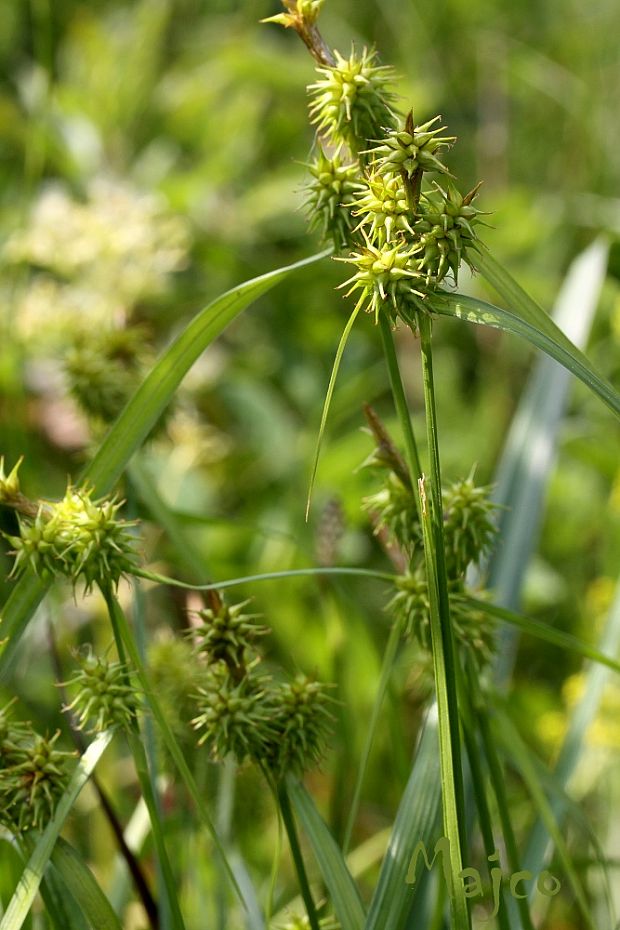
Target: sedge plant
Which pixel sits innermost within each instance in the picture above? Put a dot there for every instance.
(381, 192)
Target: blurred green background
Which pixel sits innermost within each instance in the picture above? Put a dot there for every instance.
(151, 156)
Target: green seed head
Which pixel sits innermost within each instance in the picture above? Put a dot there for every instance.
(411, 149)
(79, 538)
(234, 717)
(105, 697)
(103, 368)
(301, 717)
(383, 208)
(330, 196)
(32, 780)
(445, 229)
(469, 525)
(227, 635)
(388, 278)
(351, 101)
(394, 509)
(472, 628)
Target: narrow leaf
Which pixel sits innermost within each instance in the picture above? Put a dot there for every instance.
(543, 631)
(82, 884)
(417, 821)
(474, 310)
(342, 889)
(516, 750)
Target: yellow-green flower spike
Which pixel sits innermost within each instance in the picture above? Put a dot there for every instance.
(383, 208)
(388, 278)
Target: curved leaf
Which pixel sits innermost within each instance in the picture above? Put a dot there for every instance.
(474, 310)
(135, 423)
(83, 886)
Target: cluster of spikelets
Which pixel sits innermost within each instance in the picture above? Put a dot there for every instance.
(280, 725)
(33, 775)
(379, 187)
(104, 696)
(77, 537)
(469, 530)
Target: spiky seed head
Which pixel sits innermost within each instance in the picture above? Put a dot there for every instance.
(351, 102)
(227, 634)
(301, 716)
(383, 208)
(330, 195)
(234, 717)
(411, 149)
(445, 229)
(32, 783)
(472, 628)
(469, 525)
(105, 697)
(103, 368)
(388, 279)
(79, 538)
(394, 508)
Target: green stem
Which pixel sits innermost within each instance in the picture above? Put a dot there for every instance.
(171, 912)
(400, 401)
(291, 831)
(442, 637)
(169, 739)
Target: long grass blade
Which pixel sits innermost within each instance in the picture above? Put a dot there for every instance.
(342, 889)
(134, 425)
(82, 884)
(515, 749)
(544, 631)
(538, 844)
(26, 891)
(417, 821)
(474, 310)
